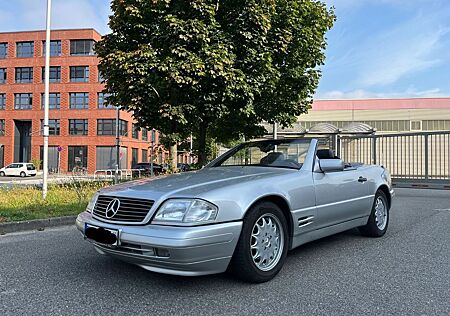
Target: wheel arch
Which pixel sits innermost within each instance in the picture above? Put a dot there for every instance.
(385, 189)
(283, 204)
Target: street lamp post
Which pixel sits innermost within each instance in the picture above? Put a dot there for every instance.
(190, 149)
(46, 100)
(152, 139)
(116, 177)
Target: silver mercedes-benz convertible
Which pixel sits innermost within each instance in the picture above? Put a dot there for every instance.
(241, 213)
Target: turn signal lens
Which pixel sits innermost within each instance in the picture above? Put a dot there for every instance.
(91, 204)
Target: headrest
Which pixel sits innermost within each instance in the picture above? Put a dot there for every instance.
(271, 157)
(325, 154)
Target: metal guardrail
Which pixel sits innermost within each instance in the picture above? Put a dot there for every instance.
(423, 156)
(122, 173)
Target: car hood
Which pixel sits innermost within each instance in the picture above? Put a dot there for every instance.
(191, 184)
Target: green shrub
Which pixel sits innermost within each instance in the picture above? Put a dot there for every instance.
(37, 163)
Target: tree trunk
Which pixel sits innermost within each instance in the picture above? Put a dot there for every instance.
(173, 156)
(202, 157)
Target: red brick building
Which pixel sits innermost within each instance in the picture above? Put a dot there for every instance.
(80, 121)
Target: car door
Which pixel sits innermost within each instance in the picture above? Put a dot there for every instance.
(17, 169)
(10, 170)
(340, 196)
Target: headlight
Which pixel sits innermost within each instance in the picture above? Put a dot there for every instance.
(187, 211)
(91, 204)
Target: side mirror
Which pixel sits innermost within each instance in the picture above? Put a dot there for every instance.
(331, 165)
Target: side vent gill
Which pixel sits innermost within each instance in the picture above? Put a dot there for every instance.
(305, 221)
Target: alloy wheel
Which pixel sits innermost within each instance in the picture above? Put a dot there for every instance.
(267, 242)
(380, 213)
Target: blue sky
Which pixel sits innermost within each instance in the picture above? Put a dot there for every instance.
(377, 48)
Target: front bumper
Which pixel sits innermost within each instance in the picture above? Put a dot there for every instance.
(192, 251)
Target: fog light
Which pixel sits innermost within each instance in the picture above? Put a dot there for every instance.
(162, 252)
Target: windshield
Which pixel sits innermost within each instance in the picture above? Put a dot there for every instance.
(282, 153)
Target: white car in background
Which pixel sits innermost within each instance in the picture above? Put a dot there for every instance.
(21, 169)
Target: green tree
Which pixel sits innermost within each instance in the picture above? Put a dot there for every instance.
(213, 67)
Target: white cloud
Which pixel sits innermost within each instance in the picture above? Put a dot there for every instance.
(23, 15)
(399, 53)
(366, 94)
(392, 54)
(81, 13)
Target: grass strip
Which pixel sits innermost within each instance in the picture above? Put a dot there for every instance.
(26, 203)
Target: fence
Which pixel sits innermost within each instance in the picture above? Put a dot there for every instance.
(423, 156)
(122, 174)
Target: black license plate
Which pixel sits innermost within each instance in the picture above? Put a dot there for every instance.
(105, 236)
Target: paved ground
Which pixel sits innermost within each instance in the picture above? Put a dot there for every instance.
(15, 181)
(405, 273)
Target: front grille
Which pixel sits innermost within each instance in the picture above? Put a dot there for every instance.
(131, 210)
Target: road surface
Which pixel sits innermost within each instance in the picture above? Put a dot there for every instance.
(407, 272)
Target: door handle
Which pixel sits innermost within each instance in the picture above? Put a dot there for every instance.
(362, 179)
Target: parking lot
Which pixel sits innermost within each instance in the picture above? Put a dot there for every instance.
(407, 272)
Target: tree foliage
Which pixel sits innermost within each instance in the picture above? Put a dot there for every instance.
(214, 67)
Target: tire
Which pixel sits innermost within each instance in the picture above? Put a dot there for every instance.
(2, 174)
(375, 227)
(23, 174)
(245, 263)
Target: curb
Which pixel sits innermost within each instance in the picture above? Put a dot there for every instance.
(36, 224)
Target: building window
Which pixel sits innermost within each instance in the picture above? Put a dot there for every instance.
(55, 74)
(2, 101)
(106, 157)
(101, 101)
(55, 48)
(79, 100)
(81, 47)
(436, 125)
(2, 75)
(134, 131)
(3, 50)
(53, 127)
(416, 125)
(123, 128)
(134, 157)
(77, 157)
(54, 100)
(25, 49)
(24, 74)
(79, 74)
(145, 134)
(144, 155)
(108, 127)
(78, 127)
(2, 127)
(23, 101)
